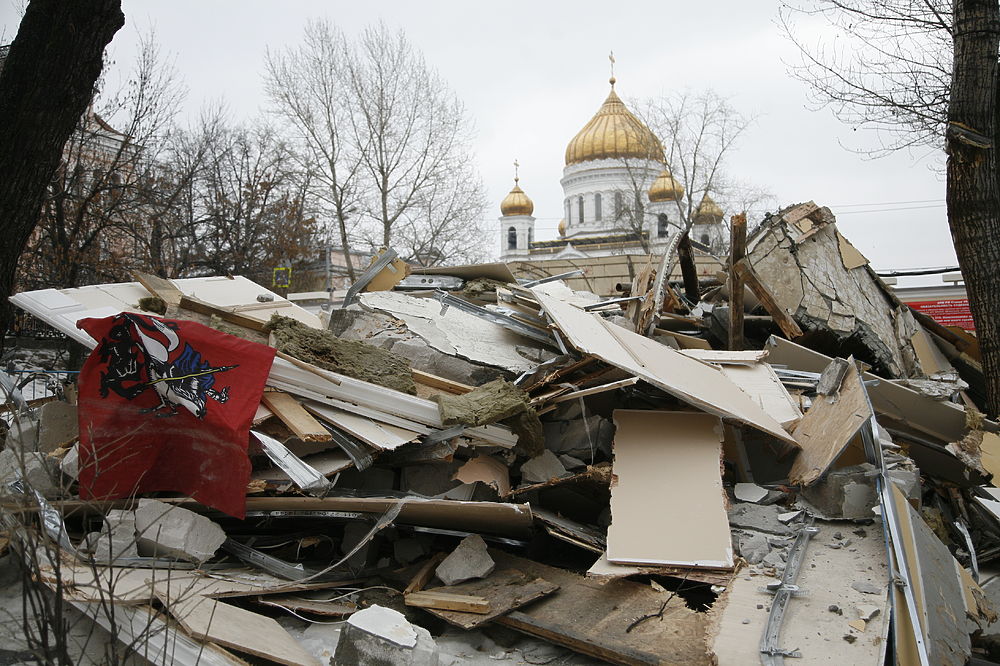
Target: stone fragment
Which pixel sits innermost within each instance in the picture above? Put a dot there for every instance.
(867, 611)
(542, 468)
(23, 435)
(754, 547)
(866, 588)
(749, 492)
(789, 516)
(70, 464)
(758, 518)
(774, 559)
(843, 493)
(58, 425)
(858, 624)
(383, 636)
(171, 531)
(571, 463)
(116, 539)
(469, 560)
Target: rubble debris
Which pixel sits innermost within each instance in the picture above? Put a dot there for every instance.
(354, 359)
(379, 635)
(165, 530)
(844, 493)
(469, 560)
(749, 492)
(543, 468)
(116, 539)
(497, 401)
(503, 591)
(153, 304)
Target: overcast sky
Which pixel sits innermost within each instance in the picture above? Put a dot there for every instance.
(533, 73)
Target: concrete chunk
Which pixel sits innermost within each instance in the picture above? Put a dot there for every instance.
(469, 560)
(543, 468)
(171, 531)
(844, 493)
(749, 492)
(759, 518)
(116, 539)
(383, 636)
(754, 547)
(58, 425)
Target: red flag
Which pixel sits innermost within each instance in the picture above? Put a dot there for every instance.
(167, 404)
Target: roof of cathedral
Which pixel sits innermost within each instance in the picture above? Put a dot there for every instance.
(614, 133)
(665, 188)
(516, 202)
(708, 211)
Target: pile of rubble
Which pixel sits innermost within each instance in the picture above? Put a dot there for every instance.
(460, 453)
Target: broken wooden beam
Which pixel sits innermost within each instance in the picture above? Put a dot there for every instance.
(737, 245)
(302, 424)
(424, 574)
(197, 305)
(747, 274)
(466, 603)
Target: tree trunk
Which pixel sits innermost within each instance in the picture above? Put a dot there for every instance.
(973, 187)
(45, 86)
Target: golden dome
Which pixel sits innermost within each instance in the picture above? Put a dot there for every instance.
(665, 188)
(562, 227)
(708, 211)
(613, 132)
(516, 203)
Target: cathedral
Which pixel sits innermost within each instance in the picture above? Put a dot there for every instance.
(618, 197)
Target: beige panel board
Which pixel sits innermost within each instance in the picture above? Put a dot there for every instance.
(667, 503)
(382, 436)
(237, 628)
(931, 358)
(828, 427)
(697, 383)
(763, 386)
(725, 357)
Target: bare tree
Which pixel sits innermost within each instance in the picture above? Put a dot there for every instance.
(886, 64)
(411, 132)
(253, 207)
(46, 83)
(96, 199)
(308, 86)
(925, 71)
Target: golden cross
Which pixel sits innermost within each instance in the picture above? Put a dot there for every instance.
(516, 166)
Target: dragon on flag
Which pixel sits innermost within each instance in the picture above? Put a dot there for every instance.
(166, 404)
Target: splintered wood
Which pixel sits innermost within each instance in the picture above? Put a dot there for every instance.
(828, 427)
(667, 503)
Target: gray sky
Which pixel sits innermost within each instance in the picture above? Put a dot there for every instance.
(532, 73)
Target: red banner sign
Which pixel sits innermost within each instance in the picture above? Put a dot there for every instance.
(947, 312)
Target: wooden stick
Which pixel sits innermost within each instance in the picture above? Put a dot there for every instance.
(737, 251)
(294, 415)
(766, 298)
(450, 602)
(424, 574)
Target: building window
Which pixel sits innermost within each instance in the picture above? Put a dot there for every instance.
(579, 205)
(597, 207)
(638, 208)
(662, 225)
(704, 239)
(619, 211)
(512, 239)
(569, 210)
(531, 236)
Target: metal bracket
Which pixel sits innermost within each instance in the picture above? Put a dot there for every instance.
(508, 322)
(385, 259)
(783, 591)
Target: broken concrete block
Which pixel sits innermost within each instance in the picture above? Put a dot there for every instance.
(758, 518)
(571, 463)
(164, 530)
(58, 425)
(321, 640)
(383, 636)
(70, 464)
(543, 468)
(36, 469)
(866, 588)
(843, 493)
(749, 492)
(774, 559)
(754, 547)
(116, 539)
(469, 560)
(23, 435)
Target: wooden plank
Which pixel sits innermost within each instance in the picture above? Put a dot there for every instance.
(828, 427)
(424, 573)
(427, 379)
(766, 298)
(234, 627)
(692, 381)
(737, 251)
(622, 383)
(593, 617)
(203, 307)
(294, 415)
(668, 459)
(504, 590)
(445, 601)
(158, 286)
(314, 606)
